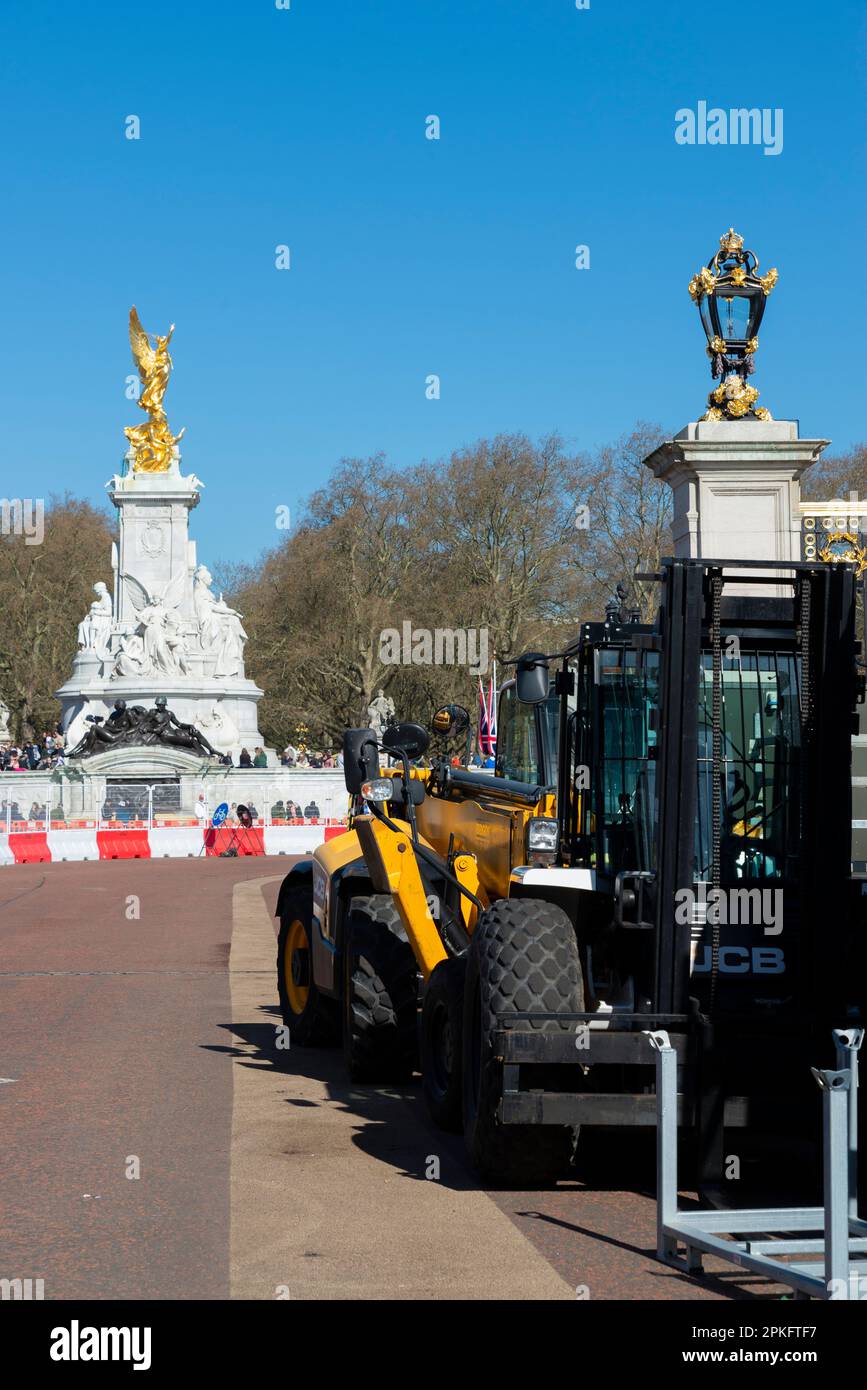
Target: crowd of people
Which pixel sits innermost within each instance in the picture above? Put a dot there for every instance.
(293, 810)
(37, 814)
(301, 757)
(281, 811)
(34, 756)
(49, 751)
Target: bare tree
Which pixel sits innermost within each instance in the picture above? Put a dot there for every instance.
(486, 539)
(316, 614)
(624, 517)
(837, 475)
(44, 592)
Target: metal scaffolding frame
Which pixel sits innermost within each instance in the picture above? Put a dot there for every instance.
(829, 1236)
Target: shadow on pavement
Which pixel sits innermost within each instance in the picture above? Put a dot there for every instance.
(394, 1126)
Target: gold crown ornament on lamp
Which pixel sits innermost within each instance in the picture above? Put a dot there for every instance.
(730, 296)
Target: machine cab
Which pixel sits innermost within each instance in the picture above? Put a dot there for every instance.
(527, 737)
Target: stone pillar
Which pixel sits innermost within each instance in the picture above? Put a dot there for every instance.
(737, 487)
(153, 542)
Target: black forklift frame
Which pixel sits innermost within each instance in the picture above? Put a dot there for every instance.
(818, 622)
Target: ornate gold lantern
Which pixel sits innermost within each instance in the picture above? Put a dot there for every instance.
(731, 295)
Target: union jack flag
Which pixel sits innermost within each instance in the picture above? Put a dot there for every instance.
(488, 717)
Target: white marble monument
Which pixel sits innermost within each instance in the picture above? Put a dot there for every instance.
(162, 630)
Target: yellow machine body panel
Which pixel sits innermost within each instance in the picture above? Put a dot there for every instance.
(487, 836)
(492, 829)
(337, 852)
(393, 868)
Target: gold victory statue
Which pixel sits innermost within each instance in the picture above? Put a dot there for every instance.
(152, 442)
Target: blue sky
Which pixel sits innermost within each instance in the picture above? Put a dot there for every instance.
(306, 127)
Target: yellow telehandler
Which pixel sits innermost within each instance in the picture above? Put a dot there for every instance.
(664, 843)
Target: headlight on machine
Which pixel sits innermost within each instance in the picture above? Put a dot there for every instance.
(378, 789)
(543, 839)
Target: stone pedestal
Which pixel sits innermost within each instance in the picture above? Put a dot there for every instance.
(153, 542)
(736, 486)
(80, 788)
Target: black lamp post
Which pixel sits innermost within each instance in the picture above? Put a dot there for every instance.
(731, 300)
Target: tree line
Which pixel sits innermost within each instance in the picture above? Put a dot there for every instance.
(505, 545)
(516, 539)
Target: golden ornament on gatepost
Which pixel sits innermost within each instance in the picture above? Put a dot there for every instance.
(834, 531)
(152, 442)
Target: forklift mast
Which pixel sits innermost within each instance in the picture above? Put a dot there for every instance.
(705, 776)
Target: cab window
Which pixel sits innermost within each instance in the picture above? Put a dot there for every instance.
(517, 743)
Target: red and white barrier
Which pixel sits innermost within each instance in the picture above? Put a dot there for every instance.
(175, 841)
(29, 847)
(78, 842)
(87, 841)
(298, 839)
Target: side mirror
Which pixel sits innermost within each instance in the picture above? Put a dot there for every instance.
(531, 678)
(450, 721)
(411, 739)
(360, 759)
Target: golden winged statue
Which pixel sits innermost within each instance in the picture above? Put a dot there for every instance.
(153, 441)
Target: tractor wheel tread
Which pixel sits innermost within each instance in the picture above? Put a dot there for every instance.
(523, 959)
(443, 1008)
(381, 983)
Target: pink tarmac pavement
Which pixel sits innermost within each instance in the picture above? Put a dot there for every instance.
(125, 1035)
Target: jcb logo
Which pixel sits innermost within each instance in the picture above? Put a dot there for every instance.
(740, 960)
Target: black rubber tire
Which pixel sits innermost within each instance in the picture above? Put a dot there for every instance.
(380, 994)
(523, 958)
(318, 1025)
(442, 1022)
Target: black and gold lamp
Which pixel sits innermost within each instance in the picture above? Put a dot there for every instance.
(731, 296)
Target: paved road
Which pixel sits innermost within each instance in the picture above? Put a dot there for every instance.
(138, 1027)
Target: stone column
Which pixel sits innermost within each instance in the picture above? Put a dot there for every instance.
(736, 486)
(153, 544)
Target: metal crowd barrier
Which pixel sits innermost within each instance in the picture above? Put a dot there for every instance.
(765, 1238)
